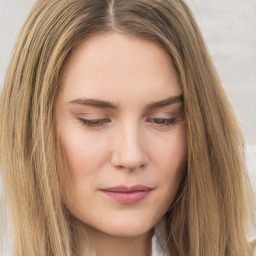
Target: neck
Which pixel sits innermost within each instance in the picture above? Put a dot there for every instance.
(108, 245)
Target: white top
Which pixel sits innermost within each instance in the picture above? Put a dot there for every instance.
(158, 240)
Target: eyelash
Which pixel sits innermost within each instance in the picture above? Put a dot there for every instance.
(163, 121)
(95, 123)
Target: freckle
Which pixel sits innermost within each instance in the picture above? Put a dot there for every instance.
(166, 140)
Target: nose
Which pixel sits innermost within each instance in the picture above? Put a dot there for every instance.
(129, 150)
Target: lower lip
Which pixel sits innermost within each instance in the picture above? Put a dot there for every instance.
(127, 197)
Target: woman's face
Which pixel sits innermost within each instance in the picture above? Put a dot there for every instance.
(119, 119)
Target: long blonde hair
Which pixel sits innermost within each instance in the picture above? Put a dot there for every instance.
(211, 213)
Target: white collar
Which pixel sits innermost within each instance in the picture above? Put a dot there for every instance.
(159, 240)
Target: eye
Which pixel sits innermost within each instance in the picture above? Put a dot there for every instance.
(162, 121)
(94, 123)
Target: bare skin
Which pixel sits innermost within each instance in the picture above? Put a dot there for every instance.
(107, 245)
(119, 118)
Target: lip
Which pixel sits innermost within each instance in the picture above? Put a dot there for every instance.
(126, 194)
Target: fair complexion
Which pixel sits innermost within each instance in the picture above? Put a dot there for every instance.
(119, 117)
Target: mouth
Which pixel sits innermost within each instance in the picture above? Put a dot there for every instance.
(127, 195)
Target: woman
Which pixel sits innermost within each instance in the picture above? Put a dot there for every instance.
(117, 137)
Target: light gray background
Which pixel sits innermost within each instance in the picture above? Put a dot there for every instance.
(229, 28)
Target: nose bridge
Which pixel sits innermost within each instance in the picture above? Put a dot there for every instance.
(129, 150)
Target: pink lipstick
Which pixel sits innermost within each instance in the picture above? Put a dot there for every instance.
(127, 195)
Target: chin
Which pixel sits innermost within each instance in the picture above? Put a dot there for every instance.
(129, 231)
(128, 227)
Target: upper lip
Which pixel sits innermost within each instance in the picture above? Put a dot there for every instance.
(127, 189)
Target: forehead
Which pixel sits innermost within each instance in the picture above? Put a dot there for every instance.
(113, 65)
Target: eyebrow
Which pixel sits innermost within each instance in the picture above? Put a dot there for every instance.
(94, 103)
(106, 104)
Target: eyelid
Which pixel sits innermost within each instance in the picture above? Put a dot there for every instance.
(167, 112)
(162, 114)
(94, 115)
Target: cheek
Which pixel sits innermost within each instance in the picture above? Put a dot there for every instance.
(80, 157)
(170, 155)
(84, 154)
(171, 151)
(83, 167)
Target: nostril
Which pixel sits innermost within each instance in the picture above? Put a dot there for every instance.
(130, 168)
